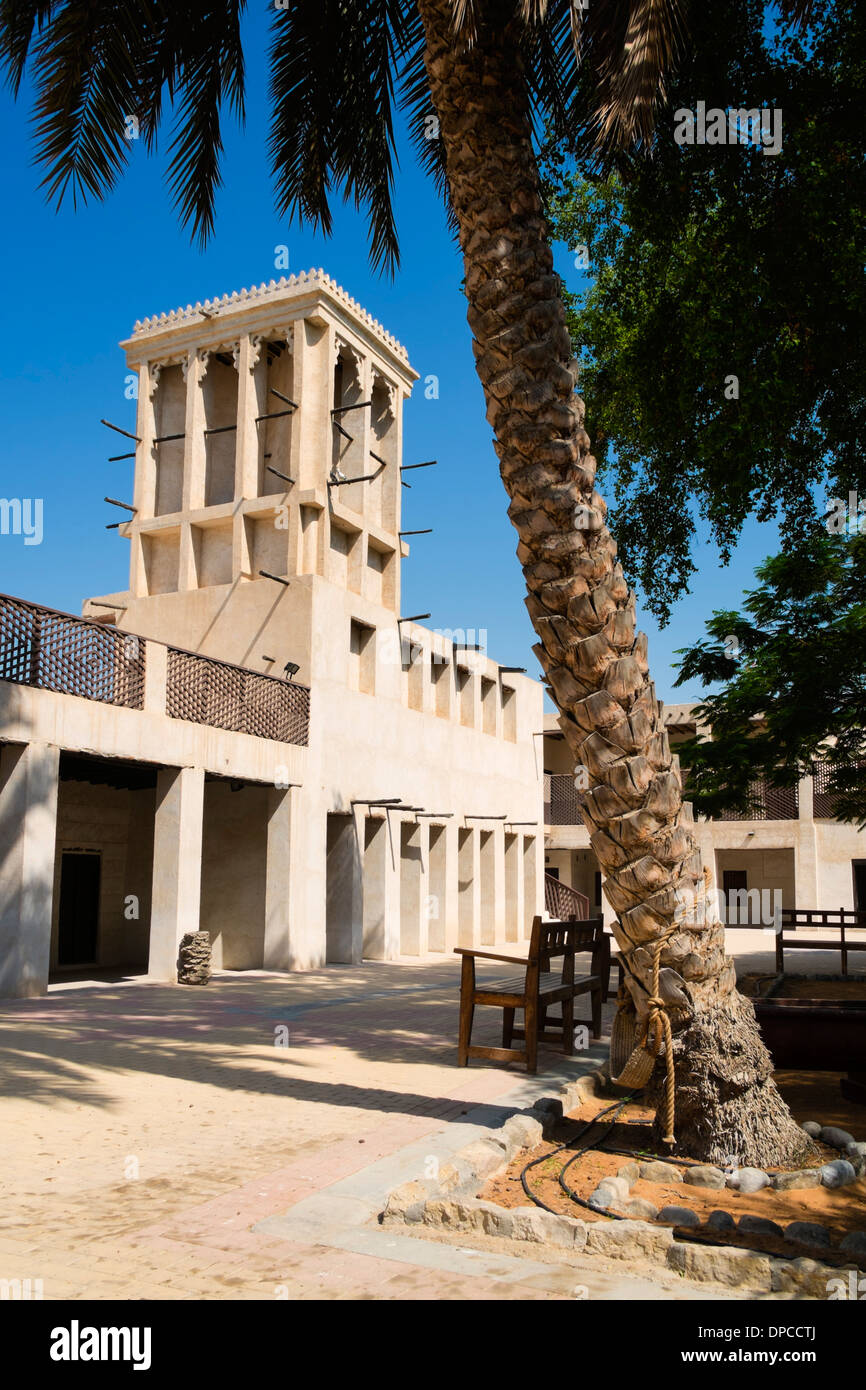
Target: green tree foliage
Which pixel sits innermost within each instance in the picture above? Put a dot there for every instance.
(793, 668)
(712, 262)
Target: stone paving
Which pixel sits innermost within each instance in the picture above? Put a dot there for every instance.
(236, 1141)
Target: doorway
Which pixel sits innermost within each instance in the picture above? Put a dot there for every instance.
(78, 915)
(859, 868)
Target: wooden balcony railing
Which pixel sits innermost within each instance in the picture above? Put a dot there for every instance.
(71, 656)
(206, 691)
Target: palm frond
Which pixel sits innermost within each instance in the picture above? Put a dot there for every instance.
(633, 78)
(421, 120)
(798, 12)
(100, 72)
(332, 80)
(201, 66)
(18, 21)
(85, 66)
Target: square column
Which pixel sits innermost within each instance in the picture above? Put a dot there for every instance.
(487, 886)
(313, 354)
(513, 887)
(468, 887)
(533, 881)
(29, 776)
(250, 365)
(177, 840)
(381, 887)
(195, 453)
(282, 877)
(413, 888)
(437, 905)
(499, 910)
(344, 891)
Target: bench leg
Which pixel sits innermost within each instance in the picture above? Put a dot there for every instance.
(507, 1027)
(568, 1027)
(597, 999)
(467, 1010)
(530, 1015)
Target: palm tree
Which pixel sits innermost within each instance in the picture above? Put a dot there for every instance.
(473, 77)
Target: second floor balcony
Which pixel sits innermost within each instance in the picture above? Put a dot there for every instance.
(56, 651)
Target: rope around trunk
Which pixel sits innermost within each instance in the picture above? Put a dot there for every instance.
(658, 1020)
(657, 1030)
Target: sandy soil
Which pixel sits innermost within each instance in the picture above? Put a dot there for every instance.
(811, 1095)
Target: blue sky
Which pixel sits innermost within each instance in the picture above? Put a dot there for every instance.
(75, 282)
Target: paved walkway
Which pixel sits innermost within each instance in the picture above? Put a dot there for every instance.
(237, 1141)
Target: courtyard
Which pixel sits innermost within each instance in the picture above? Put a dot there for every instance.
(239, 1140)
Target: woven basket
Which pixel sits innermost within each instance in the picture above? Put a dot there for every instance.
(630, 1066)
(622, 1038)
(637, 1070)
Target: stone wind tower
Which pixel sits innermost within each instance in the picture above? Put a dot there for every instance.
(256, 412)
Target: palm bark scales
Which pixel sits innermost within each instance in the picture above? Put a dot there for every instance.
(582, 608)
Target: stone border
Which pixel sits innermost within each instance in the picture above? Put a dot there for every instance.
(449, 1202)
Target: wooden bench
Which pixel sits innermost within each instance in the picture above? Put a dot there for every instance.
(839, 918)
(536, 989)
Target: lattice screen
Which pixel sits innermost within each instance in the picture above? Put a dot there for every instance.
(212, 692)
(72, 656)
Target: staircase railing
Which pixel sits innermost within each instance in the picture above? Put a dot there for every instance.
(562, 902)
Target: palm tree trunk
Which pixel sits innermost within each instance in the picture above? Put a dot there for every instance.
(583, 611)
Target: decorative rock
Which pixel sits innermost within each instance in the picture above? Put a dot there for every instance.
(704, 1175)
(468, 1216)
(854, 1243)
(544, 1228)
(610, 1192)
(807, 1233)
(806, 1177)
(748, 1180)
(548, 1113)
(759, 1226)
(678, 1216)
(627, 1240)
(406, 1202)
(836, 1138)
(193, 960)
(838, 1173)
(717, 1265)
(588, 1086)
(629, 1172)
(457, 1175)
(450, 1215)
(639, 1209)
(483, 1157)
(803, 1277)
(617, 1184)
(721, 1221)
(813, 1129)
(554, 1107)
(656, 1171)
(855, 1150)
(602, 1199)
(491, 1219)
(526, 1130)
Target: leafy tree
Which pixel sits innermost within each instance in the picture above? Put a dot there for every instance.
(795, 691)
(724, 331)
(486, 70)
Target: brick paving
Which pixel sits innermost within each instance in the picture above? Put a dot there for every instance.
(147, 1129)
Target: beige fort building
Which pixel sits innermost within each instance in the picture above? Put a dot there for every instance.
(253, 738)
